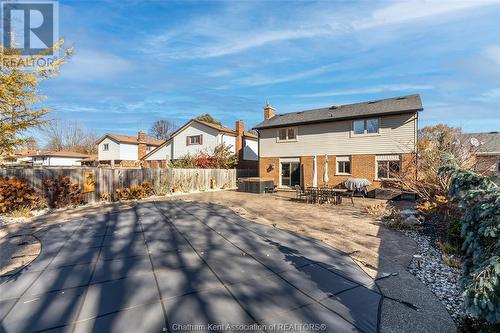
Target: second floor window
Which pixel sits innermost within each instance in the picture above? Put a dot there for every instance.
(287, 134)
(365, 126)
(194, 140)
(105, 147)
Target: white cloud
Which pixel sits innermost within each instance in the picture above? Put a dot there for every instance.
(214, 42)
(373, 90)
(406, 11)
(210, 37)
(485, 64)
(87, 65)
(489, 96)
(492, 54)
(259, 80)
(260, 39)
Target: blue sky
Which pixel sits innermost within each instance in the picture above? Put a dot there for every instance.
(139, 61)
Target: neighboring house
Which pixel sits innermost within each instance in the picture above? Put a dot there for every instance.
(485, 148)
(372, 140)
(124, 150)
(20, 157)
(90, 161)
(57, 158)
(199, 136)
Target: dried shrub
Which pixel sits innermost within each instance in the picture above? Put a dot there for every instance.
(163, 187)
(104, 196)
(220, 158)
(60, 192)
(148, 189)
(17, 195)
(378, 210)
(135, 192)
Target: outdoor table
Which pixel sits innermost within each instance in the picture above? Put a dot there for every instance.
(324, 194)
(357, 185)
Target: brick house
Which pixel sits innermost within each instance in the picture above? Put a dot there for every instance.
(485, 150)
(124, 150)
(199, 136)
(373, 140)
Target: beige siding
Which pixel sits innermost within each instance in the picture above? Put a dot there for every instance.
(210, 140)
(113, 152)
(161, 154)
(397, 135)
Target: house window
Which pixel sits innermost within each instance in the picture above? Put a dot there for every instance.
(372, 125)
(388, 167)
(194, 140)
(343, 165)
(358, 126)
(105, 147)
(282, 134)
(365, 126)
(287, 134)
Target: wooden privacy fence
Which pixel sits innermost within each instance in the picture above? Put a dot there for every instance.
(107, 180)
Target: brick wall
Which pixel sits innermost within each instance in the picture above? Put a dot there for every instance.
(141, 150)
(362, 166)
(128, 163)
(269, 167)
(306, 170)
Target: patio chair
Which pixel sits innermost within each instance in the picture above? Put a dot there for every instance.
(348, 194)
(271, 189)
(314, 195)
(299, 193)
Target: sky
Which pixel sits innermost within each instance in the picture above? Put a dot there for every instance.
(138, 61)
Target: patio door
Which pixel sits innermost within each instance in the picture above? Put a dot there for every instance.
(290, 174)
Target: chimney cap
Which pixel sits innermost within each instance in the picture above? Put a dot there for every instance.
(268, 105)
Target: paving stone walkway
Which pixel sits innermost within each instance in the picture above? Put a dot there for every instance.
(176, 266)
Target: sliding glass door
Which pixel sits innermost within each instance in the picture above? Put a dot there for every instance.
(290, 174)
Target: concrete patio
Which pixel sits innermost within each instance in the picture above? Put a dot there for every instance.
(181, 266)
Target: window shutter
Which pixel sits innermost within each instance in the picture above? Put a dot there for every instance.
(187, 140)
(201, 139)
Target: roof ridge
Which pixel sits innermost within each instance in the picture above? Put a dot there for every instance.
(336, 106)
(386, 106)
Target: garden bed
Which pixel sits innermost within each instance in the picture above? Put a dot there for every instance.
(431, 269)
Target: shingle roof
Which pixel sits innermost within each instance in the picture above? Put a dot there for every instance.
(63, 153)
(225, 129)
(217, 127)
(130, 139)
(487, 143)
(403, 104)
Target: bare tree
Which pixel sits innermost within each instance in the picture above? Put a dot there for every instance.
(433, 142)
(162, 129)
(29, 143)
(70, 135)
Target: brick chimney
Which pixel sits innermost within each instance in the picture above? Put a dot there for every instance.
(239, 127)
(141, 148)
(269, 111)
(141, 136)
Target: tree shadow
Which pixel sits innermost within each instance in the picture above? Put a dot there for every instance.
(339, 298)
